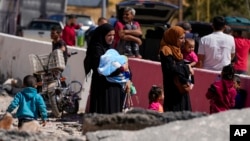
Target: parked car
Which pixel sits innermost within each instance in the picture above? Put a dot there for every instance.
(86, 20)
(201, 28)
(238, 23)
(39, 29)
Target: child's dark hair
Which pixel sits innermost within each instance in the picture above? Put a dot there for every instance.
(237, 79)
(29, 81)
(56, 28)
(154, 93)
(228, 72)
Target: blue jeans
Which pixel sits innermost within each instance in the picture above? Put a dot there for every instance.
(131, 47)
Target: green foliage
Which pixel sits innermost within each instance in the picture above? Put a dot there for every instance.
(217, 7)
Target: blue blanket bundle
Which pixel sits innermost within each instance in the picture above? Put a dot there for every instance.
(110, 62)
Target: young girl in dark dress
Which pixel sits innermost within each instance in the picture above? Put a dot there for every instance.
(105, 97)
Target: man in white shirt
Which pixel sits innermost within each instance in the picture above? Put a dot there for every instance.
(217, 49)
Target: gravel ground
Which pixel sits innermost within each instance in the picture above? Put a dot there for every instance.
(69, 125)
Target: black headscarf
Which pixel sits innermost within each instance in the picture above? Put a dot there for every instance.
(97, 40)
(99, 34)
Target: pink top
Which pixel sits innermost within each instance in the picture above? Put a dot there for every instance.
(156, 106)
(190, 57)
(120, 26)
(242, 49)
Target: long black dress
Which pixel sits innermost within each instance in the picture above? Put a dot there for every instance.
(174, 101)
(105, 97)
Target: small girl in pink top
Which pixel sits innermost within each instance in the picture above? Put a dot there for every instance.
(189, 55)
(155, 97)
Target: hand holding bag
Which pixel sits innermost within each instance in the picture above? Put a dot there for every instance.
(182, 88)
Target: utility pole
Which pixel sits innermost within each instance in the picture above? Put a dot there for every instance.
(43, 7)
(248, 9)
(198, 11)
(64, 5)
(104, 8)
(180, 11)
(208, 11)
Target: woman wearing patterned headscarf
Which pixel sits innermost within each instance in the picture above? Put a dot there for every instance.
(105, 97)
(172, 65)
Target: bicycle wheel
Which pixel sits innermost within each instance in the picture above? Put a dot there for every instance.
(72, 106)
(75, 87)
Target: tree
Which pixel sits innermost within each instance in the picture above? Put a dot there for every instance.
(201, 10)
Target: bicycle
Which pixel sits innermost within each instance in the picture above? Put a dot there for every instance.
(52, 86)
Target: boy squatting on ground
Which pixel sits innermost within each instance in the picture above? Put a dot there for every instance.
(30, 103)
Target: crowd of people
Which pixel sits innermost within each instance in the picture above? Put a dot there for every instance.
(177, 57)
(112, 76)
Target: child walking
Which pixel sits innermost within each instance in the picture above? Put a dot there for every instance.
(30, 103)
(155, 97)
(222, 92)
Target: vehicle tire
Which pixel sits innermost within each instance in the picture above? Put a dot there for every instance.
(53, 99)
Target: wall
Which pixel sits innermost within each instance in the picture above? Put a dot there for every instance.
(14, 60)
(147, 73)
(15, 63)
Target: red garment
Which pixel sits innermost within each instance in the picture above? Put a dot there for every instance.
(69, 35)
(242, 49)
(120, 26)
(221, 95)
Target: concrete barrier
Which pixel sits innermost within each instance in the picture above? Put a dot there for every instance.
(147, 73)
(14, 62)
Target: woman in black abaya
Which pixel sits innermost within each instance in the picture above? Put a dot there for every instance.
(172, 64)
(105, 97)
